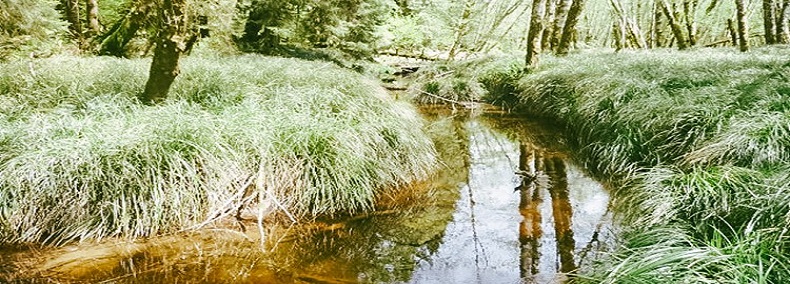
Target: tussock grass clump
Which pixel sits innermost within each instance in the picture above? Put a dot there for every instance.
(81, 159)
(700, 142)
(665, 107)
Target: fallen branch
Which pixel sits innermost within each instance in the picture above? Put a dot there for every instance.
(412, 56)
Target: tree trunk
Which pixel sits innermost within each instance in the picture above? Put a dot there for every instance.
(114, 41)
(732, 31)
(560, 16)
(782, 33)
(570, 27)
(769, 21)
(92, 16)
(628, 27)
(656, 33)
(170, 44)
(535, 33)
(72, 11)
(743, 25)
(677, 30)
(551, 10)
(690, 9)
(618, 33)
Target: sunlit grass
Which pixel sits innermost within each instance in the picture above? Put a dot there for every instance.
(699, 143)
(81, 159)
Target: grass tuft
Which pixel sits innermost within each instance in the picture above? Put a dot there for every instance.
(81, 159)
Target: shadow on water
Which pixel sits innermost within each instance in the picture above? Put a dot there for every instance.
(465, 225)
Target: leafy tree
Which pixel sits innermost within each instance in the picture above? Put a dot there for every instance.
(348, 25)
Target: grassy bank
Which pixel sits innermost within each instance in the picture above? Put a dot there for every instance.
(81, 159)
(701, 141)
(699, 145)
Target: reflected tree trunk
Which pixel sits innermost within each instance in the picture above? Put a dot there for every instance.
(530, 230)
(562, 211)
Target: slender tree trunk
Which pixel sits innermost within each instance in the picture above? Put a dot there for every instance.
(769, 21)
(629, 28)
(656, 33)
(560, 16)
(535, 33)
(782, 33)
(690, 9)
(677, 30)
(551, 13)
(732, 31)
(569, 29)
(92, 16)
(72, 11)
(170, 45)
(618, 33)
(743, 25)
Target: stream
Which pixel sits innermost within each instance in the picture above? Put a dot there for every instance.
(507, 206)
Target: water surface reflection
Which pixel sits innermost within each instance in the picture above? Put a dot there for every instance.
(532, 235)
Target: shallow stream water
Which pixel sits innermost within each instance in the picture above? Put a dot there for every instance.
(507, 206)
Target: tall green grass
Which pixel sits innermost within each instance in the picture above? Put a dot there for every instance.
(698, 144)
(81, 159)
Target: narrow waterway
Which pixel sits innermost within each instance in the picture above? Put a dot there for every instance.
(527, 213)
(507, 206)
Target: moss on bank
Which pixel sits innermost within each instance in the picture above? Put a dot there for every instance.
(700, 144)
(81, 159)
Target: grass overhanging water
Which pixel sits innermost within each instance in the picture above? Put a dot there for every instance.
(698, 143)
(81, 159)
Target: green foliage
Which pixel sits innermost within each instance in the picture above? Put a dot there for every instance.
(29, 26)
(471, 26)
(347, 25)
(466, 81)
(81, 159)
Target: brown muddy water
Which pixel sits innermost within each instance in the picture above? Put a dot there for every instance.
(508, 206)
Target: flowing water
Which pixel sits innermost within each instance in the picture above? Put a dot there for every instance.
(507, 206)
